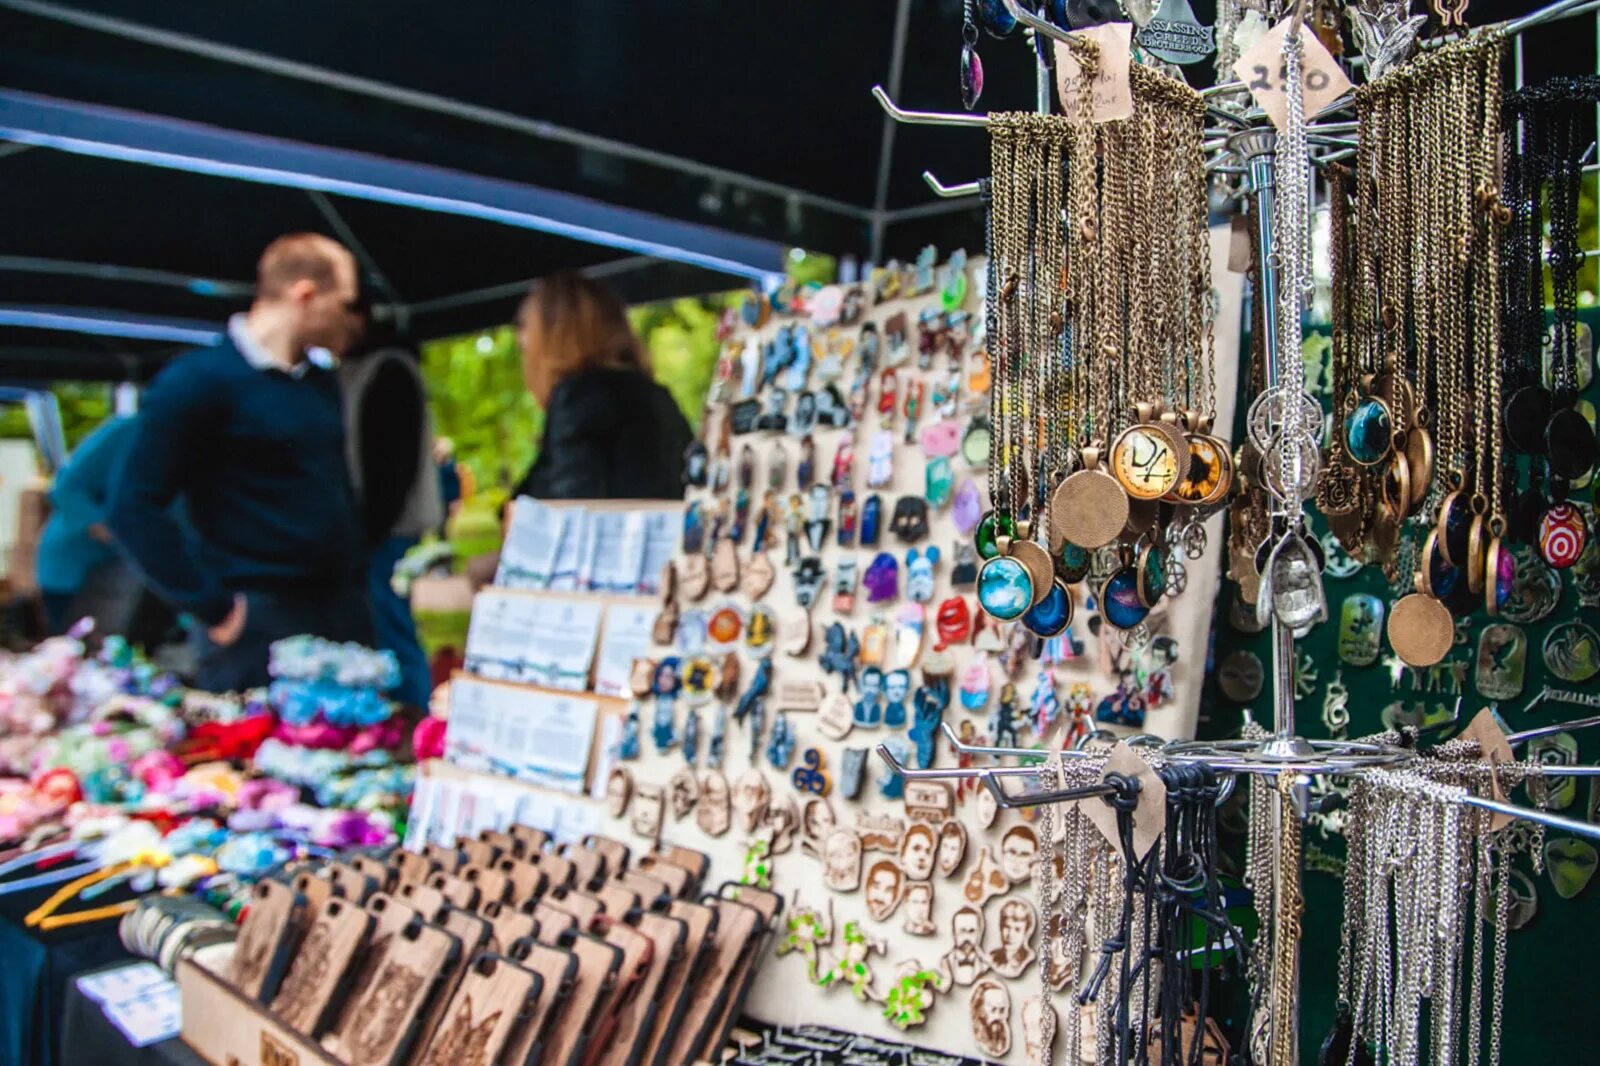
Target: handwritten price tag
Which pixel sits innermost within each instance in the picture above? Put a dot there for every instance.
(1111, 95)
(1261, 70)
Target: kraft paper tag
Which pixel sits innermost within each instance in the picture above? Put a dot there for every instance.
(1240, 252)
(1494, 750)
(1149, 817)
(1262, 71)
(1111, 96)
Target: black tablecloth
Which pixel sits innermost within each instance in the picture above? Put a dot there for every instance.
(36, 971)
(87, 1036)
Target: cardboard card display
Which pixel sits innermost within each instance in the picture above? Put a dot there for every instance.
(267, 938)
(380, 1021)
(491, 1004)
(309, 998)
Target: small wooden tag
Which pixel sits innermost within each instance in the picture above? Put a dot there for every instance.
(1494, 749)
(1149, 817)
(1112, 95)
(1261, 70)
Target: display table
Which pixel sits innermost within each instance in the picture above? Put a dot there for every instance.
(37, 976)
(87, 1036)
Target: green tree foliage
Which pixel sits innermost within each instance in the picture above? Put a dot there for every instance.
(84, 405)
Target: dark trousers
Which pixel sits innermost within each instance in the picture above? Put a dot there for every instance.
(272, 616)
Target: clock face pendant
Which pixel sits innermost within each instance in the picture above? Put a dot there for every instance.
(1144, 462)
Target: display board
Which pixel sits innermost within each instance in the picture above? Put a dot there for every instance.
(900, 876)
(1546, 637)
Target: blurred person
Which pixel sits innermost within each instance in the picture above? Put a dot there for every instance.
(610, 431)
(75, 544)
(390, 447)
(249, 436)
(444, 460)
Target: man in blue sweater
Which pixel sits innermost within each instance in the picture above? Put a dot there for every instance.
(250, 436)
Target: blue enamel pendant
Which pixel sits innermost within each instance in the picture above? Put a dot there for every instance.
(1005, 588)
(1051, 615)
(1369, 432)
(1119, 599)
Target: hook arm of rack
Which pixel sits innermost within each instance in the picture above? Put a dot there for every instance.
(924, 118)
(963, 748)
(1011, 801)
(955, 773)
(1549, 730)
(950, 192)
(1530, 814)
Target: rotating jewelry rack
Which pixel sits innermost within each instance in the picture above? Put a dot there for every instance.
(1244, 142)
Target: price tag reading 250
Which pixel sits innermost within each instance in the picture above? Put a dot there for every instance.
(1262, 71)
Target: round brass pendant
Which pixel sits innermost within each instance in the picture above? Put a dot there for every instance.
(1419, 454)
(1394, 487)
(1037, 562)
(1421, 630)
(1168, 425)
(1477, 542)
(1089, 509)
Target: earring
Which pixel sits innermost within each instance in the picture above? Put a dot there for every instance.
(971, 65)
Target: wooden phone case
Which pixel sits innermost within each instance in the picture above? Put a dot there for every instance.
(267, 938)
(559, 970)
(492, 885)
(412, 868)
(535, 839)
(580, 905)
(381, 872)
(389, 917)
(490, 1005)
(479, 852)
(698, 863)
(592, 980)
(654, 894)
(447, 859)
(769, 905)
(679, 882)
(309, 998)
(738, 931)
(699, 928)
(473, 933)
(316, 890)
(380, 1021)
(508, 923)
(456, 891)
(588, 867)
(615, 852)
(352, 884)
(636, 1015)
(528, 880)
(637, 952)
(507, 844)
(429, 901)
(618, 901)
(558, 868)
(553, 922)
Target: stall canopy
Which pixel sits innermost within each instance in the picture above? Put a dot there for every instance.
(148, 150)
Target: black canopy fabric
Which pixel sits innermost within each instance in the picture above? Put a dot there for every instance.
(710, 124)
(749, 122)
